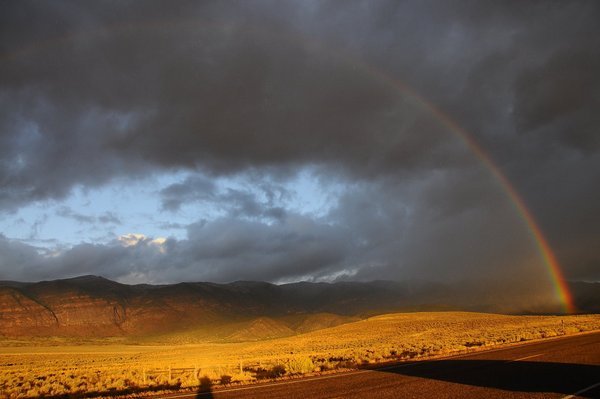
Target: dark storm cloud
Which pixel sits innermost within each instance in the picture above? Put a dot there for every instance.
(94, 91)
(16, 257)
(234, 202)
(295, 247)
(226, 249)
(204, 88)
(193, 188)
(25, 262)
(561, 98)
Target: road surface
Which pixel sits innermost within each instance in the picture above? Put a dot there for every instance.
(566, 367)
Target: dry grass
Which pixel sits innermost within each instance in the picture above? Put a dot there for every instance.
(31, 371)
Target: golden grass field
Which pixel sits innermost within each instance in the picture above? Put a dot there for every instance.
(107, 367)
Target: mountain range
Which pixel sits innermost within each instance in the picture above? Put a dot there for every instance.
(95, 307)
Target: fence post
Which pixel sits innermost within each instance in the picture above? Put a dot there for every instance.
(241, 367)
(170, 374)
(144, 375)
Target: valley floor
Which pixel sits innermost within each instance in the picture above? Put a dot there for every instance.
(108, 369)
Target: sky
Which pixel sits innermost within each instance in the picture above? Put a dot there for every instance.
(158, 142)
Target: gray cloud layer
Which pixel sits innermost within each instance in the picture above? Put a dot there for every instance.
(92, 92)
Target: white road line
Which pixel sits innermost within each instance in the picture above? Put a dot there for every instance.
(524, 358)
(582, 391)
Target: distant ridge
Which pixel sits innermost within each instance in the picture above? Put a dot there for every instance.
(93, 306)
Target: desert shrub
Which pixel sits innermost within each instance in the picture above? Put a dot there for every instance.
(275, 372)
(225, 379)
(346, 364)
(278, 370)
(300, 365)
(242, 377)
(325, 365)
(261, 373)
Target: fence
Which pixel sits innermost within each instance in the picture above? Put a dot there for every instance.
(171, 373)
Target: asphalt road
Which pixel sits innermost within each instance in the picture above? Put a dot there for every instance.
(567, 367)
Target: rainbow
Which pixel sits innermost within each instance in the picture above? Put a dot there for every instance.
(560, 285)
